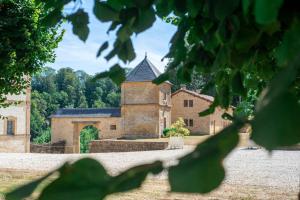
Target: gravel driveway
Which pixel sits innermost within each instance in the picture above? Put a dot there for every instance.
(244, 167)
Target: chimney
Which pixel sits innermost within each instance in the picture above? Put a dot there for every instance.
(183, 86)
(198, 91)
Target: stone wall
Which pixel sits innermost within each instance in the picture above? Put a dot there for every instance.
(58, 147)
(98, 146)
(14, 144)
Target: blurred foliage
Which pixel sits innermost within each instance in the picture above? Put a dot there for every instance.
(246, 47)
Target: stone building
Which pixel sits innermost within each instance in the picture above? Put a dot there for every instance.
(145, 111)
(187, 104)
(15, 124)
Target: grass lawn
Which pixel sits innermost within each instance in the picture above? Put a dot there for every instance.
(156, 189)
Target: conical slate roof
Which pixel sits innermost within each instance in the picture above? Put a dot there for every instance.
(144, 71)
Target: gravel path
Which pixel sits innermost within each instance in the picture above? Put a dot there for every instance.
(244, 167)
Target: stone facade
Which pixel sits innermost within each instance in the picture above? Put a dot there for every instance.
(187, 104)
(15, 125)
(145, 111)
(103, 146)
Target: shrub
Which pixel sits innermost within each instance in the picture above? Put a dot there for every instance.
(166, 131)
(178, 129)
(86, 136)
(44, 137)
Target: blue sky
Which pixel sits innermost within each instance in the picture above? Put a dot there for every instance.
(78, 55)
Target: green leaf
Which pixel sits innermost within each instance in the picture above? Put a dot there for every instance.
(287, 51)
(80, 21)
(124, 32)
(101, 75)
(266, 11)
(25, 190)
(208, 111)
(53, 18)
(237, 84)
(134, 177)
(277, 123)
(143, 4)
(224, 95)
(161, 78)
(202, 169)
(246, 38)
(227, 116)
(117, 74)
(222, 10)
(85, 179)
(126, 51)
(163, 8)
(104, 12)
(144, 21)
(102, 48)
(246, 4)
(194, 6)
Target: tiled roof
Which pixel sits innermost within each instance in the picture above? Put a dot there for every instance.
(88, 112)
(196, 94)
(144, 71)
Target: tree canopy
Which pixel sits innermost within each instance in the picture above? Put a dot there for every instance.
(66, 88)
(26, 44)
(247, 47)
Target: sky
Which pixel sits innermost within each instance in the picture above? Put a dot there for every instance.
(79, 55)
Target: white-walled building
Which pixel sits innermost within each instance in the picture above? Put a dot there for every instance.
(15, 124)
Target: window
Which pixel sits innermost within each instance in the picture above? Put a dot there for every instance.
(10, 127)
(185, 103)
(191, 124)
(191, 103)
(165, 122)
(165, 96)
(113, 127)
(186, 121)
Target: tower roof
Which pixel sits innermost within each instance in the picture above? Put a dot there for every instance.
(144, 71)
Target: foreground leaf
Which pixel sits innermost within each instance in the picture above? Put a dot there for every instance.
(202, 171)
(266, 11)
(80, 21)
(25, 190)
(277, 123)
(104, 12)
(102, 48)
(85, 179)
(134, 177)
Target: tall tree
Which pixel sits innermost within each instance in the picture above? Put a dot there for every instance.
(25, 43)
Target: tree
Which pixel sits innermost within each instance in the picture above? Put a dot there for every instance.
(23, 41)
(242, 45)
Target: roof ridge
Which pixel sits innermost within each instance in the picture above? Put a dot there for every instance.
(144, 71)
(203, 96)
